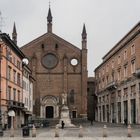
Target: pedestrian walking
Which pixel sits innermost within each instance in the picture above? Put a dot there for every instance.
(62, 124)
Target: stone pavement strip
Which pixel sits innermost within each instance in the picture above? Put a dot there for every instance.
(70, 138)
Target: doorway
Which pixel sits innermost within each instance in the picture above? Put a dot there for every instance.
(49, 112)
(133, 111)
(125, 112)
(73, 114)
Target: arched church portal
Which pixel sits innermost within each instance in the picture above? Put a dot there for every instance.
(49, 112)
(49, 107)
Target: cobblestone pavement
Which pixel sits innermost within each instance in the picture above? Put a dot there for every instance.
(89, 132)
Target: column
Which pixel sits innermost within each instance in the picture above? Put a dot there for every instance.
(101, 113)
(98, 114)
(41, 114)
(105, 113)
(122, 106)
(109, 107)
(129, 104)
(116, 106)
(137, 103)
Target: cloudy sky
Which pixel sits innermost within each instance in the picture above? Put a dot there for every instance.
(107, 21)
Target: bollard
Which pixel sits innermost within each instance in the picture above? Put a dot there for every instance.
(12, 132)
(56, 131)
(129, 131)
(12, 127)
(105, 131)
(33, 131)
(81, 131)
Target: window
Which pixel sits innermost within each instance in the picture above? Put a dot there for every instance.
(72, 96)
(18, 79)
(9, 93)
(24, 85)
(18, 64)
(103, 71)
(14, 94)
(99, 85)
(14, 76)
(107, 68)
(125, 70)
(9, 55)
(125, 91)
(99, 99)
(107, 79)
(14, 60)
(18, 96)
(113, 76)
(99, 74)
(103, 82)
(27, 101)
(119, 94)
(9, 73)
(119, 74)
(133, 66)
(125, 55)
(112, 63)
(132, 49)
(133, 89)
(119, 59)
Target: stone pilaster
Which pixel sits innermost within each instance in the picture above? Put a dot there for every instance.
(122, 106)
(129, 104)
(116, 106)
(65, 83)
(137, 104)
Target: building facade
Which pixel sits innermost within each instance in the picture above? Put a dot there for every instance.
(11, 80)
(118, 81)
(27, 93)
(91, 99)
(60, 71)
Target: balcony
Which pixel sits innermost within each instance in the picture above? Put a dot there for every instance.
(137, 73)
(112, 86)
(15, 104)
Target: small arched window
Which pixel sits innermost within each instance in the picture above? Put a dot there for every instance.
(72, 96)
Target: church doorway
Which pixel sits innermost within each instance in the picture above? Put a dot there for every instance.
(73, 114)
(49, 112)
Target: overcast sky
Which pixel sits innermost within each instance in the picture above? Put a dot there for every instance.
(107, 21)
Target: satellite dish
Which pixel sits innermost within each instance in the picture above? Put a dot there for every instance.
(11, 113)
(25, 61)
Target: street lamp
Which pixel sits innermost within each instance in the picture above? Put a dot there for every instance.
(1, 131)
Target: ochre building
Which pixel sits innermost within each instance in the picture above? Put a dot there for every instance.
(118, 81)
(11, 96)
(60, 71)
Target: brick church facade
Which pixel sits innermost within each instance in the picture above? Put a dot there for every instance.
(59, 69)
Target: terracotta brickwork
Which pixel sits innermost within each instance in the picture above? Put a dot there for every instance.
(55, 74)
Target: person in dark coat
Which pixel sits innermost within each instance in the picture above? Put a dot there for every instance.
(125, 121)
(62, 124)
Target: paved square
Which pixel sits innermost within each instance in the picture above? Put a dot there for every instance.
(94, 131)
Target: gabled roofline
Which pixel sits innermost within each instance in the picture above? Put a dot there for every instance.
(48, 34)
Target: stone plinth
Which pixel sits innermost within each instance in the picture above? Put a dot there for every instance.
(65, 117)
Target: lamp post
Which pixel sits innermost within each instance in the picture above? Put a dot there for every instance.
(1, 131)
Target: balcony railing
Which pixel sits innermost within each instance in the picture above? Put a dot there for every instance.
(15, 104)
(112, 85)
